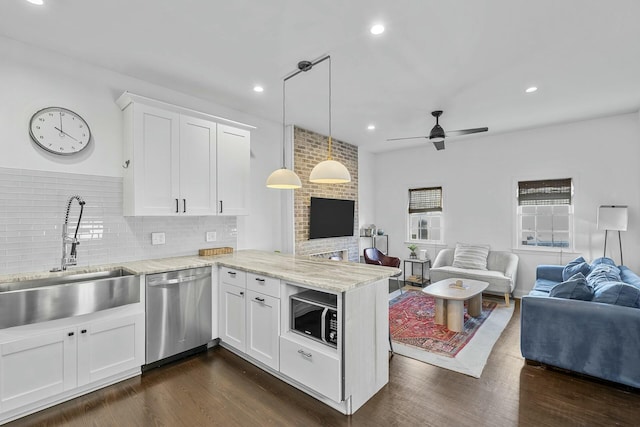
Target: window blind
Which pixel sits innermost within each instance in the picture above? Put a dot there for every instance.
(425, 200)
(545, 192)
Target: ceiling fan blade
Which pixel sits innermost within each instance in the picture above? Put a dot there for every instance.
(409, 137)
(439, 145)
(466, 131)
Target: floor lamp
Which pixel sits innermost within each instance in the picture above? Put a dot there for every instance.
(612, 218)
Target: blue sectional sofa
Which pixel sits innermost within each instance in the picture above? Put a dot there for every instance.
(596, 334)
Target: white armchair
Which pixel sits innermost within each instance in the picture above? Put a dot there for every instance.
(502, 268)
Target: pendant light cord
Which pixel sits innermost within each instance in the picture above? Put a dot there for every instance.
(302, 67)
(329, 158)
(283, 123)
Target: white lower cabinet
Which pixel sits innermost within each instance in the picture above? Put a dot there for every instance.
(232, 316)
(263, 328)
(37, 367)
(318, 370)
(109, 347)
(42, 366)
(250, 315)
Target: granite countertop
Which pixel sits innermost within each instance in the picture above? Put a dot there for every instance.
(322, 273)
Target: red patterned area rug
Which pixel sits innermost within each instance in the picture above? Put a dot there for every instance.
(416, 335)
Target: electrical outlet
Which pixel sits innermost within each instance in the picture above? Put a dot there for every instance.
(210, 236)
(157, 238)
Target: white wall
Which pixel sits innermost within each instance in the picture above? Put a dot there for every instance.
(32, 78)
(479, 176)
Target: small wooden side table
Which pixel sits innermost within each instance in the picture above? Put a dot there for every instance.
(417, 280)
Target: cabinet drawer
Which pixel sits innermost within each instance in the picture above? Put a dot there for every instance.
(263, 284)
(312, 368)
(233, 277)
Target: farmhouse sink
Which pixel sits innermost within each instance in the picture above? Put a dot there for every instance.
(40, 300)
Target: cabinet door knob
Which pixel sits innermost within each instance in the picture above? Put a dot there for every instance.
(241, 293)
(71, 334)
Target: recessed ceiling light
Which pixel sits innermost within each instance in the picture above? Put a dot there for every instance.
(258, 88)
(531, 89)
(36, 2)
(371, 127)
(377, 29)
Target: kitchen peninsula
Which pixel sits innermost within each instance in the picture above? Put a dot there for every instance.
(252, 317)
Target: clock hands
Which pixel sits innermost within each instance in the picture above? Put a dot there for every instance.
(61, 131)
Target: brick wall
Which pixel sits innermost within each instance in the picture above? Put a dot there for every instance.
(309, 149)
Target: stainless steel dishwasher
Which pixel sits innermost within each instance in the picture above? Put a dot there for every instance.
(178, 314)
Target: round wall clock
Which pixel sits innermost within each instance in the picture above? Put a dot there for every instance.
(59, 131)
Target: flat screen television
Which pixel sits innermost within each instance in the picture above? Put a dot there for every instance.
(330, 218)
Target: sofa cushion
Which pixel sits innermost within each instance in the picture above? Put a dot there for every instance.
(618, 293)
(470, 256)
(578, 265)
(574, 288)
(629, 277)
(603, 273)
(535, 293)
(544, 285)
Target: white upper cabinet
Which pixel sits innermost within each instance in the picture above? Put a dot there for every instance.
(180, 162)
(197, 195)
(233, 170)
(152, 147)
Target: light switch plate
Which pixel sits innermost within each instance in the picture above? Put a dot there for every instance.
(157, 238)
(210, 236)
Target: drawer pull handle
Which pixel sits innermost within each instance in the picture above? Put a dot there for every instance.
(307, 355)
(259, 299)
(232, 273)
(71, 334)
(259, 279)
(84, 331)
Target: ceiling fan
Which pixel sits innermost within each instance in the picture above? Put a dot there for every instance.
(437, 134)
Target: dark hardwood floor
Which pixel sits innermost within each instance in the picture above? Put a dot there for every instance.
(218, 388)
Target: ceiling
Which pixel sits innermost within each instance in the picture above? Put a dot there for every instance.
(471, 58)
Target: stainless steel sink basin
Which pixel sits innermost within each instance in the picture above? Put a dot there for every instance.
(51, 298)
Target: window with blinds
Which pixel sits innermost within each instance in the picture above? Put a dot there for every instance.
(545, 213)
(545, 192)
(425, 214)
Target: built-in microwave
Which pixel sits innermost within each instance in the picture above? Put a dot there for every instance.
(314, 314)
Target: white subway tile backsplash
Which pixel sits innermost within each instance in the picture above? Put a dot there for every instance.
(32, 209)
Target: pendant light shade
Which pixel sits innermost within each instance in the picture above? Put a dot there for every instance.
(284, 179)
(329, 171)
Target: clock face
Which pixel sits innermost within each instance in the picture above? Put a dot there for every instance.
(59, 131)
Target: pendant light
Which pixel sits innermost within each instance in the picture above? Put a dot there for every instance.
(283, 178)
(329, 171)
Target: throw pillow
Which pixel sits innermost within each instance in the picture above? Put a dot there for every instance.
(629, 277)
(574, 288)
(602, 260)
(470, 256)
(578, 265)
(618, 293)
(603, 273)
